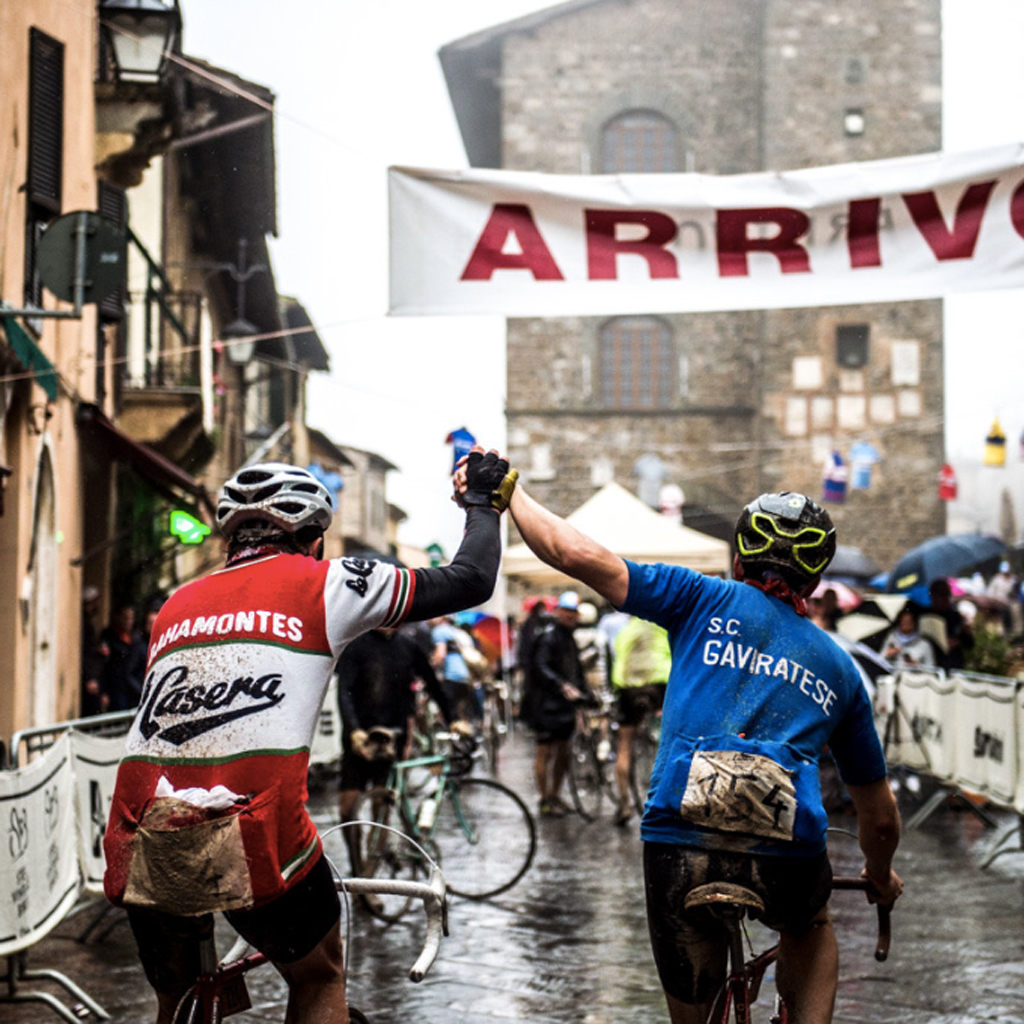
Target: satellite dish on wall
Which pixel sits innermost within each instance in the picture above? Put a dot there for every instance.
(81, 257)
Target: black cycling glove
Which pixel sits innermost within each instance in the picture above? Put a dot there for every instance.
(489, 481)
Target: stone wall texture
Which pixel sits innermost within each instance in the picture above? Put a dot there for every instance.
(761, 398)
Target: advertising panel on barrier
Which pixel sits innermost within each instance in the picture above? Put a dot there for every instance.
(39, 867)
(986, 735)
(924, 726)
(1018, 785)
(95, 761)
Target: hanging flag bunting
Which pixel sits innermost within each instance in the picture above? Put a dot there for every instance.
(834, 484)
(995, 446)
(461, 441)
(863, 456)
(947, 483)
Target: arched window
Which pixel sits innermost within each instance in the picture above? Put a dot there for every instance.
(637, 364)
(638, 141)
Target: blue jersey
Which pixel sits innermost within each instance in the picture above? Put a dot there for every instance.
(755, 693)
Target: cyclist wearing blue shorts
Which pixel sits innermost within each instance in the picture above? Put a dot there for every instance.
(756, 691)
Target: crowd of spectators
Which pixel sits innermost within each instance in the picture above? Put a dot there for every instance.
(113, 656)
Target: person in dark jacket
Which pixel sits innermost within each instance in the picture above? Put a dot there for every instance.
(124, 670)
(959, 634)
(376, 673)
(554, 686)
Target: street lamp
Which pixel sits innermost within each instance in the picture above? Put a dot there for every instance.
(240, 351)
(141, 34)
(239, 334)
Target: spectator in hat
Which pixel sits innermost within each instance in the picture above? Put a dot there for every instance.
(555, 683)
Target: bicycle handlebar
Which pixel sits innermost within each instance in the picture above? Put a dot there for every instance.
(435, 905)
(884, 923)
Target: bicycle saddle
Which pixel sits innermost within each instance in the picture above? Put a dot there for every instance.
(724, 894)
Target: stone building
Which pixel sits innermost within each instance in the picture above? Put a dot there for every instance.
(723, 405)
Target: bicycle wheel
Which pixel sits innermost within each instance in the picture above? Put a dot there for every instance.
(379, 853)
(486, 838)
(585, 775)
(645, 748)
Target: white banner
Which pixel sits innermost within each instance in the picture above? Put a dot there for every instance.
(39, 861)
(986, 735)
(95, 761)
(528, 244)
(925, 723)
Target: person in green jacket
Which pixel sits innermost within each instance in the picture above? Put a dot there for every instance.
(640, 671)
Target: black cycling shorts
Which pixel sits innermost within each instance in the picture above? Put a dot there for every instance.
(285, 930)
(358, 773)
(635, 703)
(690, 947)
(556, 734)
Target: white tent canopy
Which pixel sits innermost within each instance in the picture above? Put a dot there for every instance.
(624, 524)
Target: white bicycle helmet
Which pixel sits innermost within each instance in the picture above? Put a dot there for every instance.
(277, 493)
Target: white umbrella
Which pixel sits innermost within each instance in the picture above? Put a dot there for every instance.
(873, 618)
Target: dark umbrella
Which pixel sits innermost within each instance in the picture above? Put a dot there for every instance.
(942, 557)
(851, 564)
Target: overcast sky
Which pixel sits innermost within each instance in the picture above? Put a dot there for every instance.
(359, 88)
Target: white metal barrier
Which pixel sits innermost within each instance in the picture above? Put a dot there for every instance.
(55, 809)
(963, 730)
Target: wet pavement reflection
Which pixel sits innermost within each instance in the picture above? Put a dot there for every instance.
(569, 944)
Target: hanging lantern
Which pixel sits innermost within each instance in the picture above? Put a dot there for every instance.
(947, 483)
(995, 446)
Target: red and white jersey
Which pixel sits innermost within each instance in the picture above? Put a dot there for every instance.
(239, 664)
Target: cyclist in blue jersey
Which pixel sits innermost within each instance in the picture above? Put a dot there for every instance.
(756, 691)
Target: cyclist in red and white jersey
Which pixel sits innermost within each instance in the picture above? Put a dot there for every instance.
(208, 811)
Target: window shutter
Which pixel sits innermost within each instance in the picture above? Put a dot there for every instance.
(45, 121)
(112, 203)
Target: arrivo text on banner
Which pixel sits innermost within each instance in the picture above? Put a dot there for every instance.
(529, 244)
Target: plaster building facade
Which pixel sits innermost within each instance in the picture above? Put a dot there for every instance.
(142, 399)
(723, 405)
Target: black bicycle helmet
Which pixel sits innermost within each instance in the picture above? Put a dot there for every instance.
(274, 492)
(788, 534)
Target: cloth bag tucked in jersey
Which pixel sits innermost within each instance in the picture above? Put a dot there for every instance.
(756, 788)
(188, 860)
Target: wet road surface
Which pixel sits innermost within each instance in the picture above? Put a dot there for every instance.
(568, 944)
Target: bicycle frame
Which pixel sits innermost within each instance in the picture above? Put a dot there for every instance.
(419, 828)
(220, 988)
(407, 812)
(743, 983)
